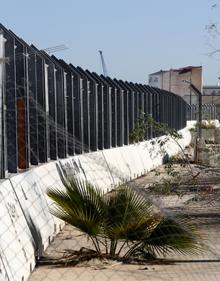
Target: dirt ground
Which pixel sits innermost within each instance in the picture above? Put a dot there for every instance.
(201, 200)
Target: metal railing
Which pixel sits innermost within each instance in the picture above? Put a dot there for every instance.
(209, 112)
(52, 110)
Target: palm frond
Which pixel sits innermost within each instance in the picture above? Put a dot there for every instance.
(128, 215)
(173, 235)
(80, 204)
(136, 230)
(124, 205)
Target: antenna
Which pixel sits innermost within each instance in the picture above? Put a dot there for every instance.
(54, 49)
(104, 68)
(49, 51)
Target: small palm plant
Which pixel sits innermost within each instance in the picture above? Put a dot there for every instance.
(122, 223)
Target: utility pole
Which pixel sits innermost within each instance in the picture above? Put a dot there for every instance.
(199, 117)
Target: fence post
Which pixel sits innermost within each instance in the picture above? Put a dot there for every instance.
(2, 105)
(22, 96)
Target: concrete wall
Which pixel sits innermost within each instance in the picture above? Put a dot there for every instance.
(26, 223)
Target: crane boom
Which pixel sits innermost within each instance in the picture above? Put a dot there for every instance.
(104, 68)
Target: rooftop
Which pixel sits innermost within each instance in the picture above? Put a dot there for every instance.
(180, 70)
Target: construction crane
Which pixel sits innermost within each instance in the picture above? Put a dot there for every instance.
(104, 68)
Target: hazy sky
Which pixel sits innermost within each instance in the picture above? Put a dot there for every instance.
(136, 37)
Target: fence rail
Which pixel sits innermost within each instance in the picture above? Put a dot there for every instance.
(209, 111)
(50, 109)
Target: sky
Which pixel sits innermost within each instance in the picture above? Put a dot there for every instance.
(136, 37)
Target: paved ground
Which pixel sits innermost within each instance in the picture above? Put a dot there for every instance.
(204, 207)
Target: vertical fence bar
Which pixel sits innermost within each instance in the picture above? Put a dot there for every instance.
(86, 109)
(153, 111)
(61, 96)
(131, 121)
(2, 105)
(141, 103)
(93, 94)
(22, 109)
(146, 137)
(99, 109)
(61, 143)
(101, 116)
(46, 84)
(33, 127)
(161, 97)
(148, 110)
(65, 97)
(11, 105)
(70, 114)
(120, 102)
(114, 116)
(165, 107)
(159, 107)
(49, 109)
(125, 109)
(41, 111)
(136, 105)
(21, 60)
(78, 110)
(174, 115)
(120, 111)
(72, 87)
(53, 150)
(107, 114)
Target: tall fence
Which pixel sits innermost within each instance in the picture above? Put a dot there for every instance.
(209, 111)
(51, 109)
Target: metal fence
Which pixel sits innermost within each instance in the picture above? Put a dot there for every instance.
(50, 109)
(209, 112)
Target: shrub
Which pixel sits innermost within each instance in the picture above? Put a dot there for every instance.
(122, 222)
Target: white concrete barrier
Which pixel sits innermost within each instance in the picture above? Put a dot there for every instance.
(5, 273)
(46, 176)
(16, 241)
(24, 204)
(33, 201)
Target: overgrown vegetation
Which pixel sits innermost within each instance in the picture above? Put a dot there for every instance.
(121, 224)
(146, 123)
(173, 178)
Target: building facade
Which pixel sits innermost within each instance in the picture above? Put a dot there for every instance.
(172, 80)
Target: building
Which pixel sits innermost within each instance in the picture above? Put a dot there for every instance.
(211, 90)
(172, 80)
